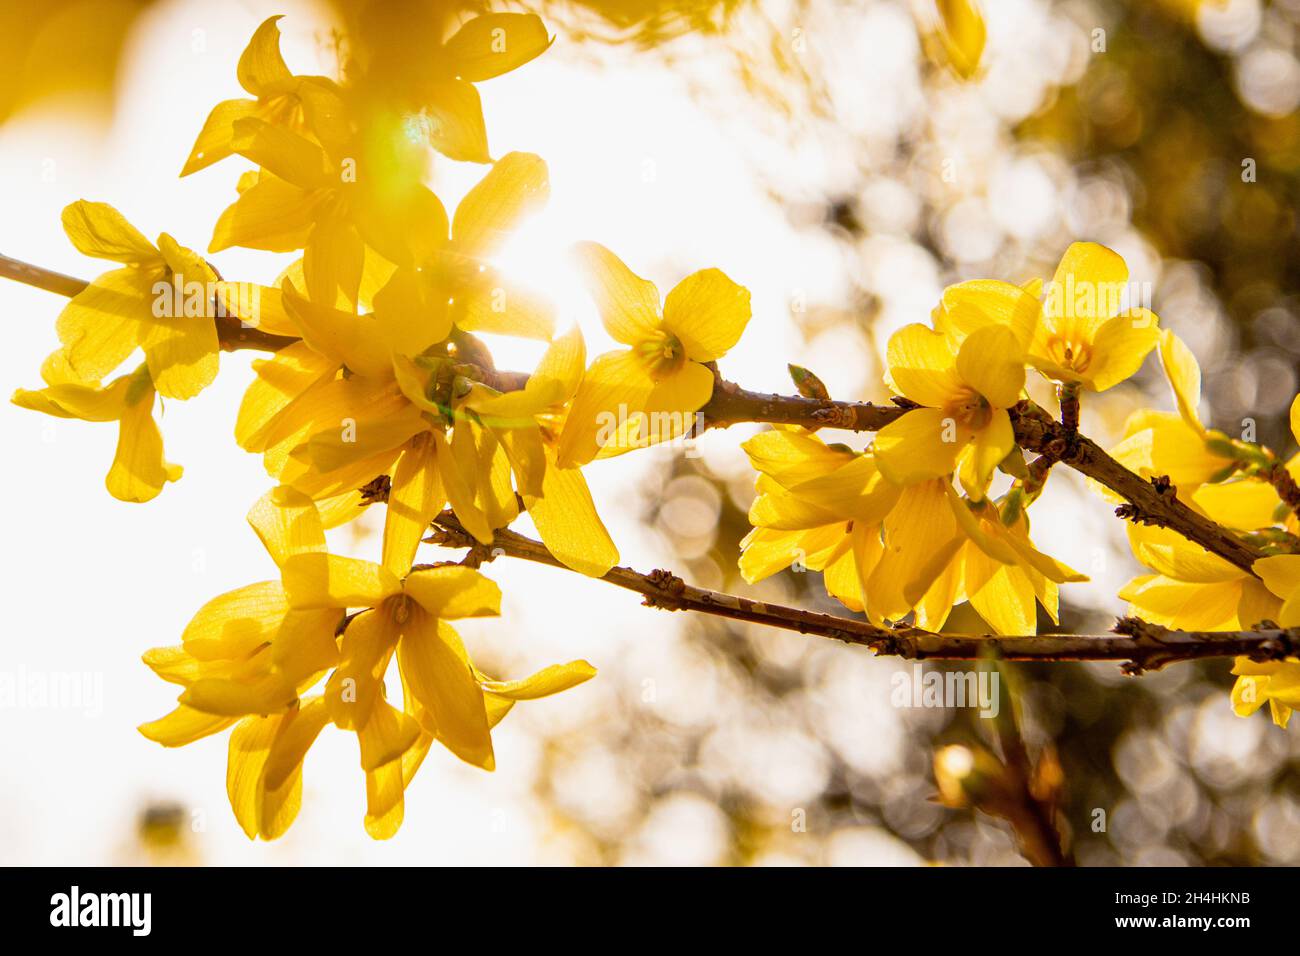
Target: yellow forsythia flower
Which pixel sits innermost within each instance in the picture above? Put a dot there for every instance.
(649, 391)
(966, 392)
(818, 507)
(139, 470)
(159, 301)
(280, 98)
(248, 655)
(1191, 588)
(526, 425)
(1277, 682)
(936, 558)
(483, 48)
(891, 551)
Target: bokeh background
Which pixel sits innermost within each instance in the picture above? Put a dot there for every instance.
(815, 151)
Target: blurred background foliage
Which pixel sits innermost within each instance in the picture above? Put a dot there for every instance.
(1168, 130)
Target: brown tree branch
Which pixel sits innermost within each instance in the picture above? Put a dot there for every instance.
(1137, 645)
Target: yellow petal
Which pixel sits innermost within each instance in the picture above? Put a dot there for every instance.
(258, 306)
(317, 580)
(101, 325)
(455, 126)
(404, 222)
(1280, 574)
(213, 143)
(1005, 599)
(357, 681)
(89, 403)
(920, 538)
(297, 732)
(182, 354)
(768, 551)
(1120, 348)
(250, 743)
(628, 304)
(991, 361)
(385, 805)
(671, 406)
(415, 497)
(351, 340)
(434, 663)
(792, 456)
(1184, 376)
(288, 156)
(616, 382)
(980, 459)
(962, 36)
(184, 725)
(387, 735)
(919, 445)
(306, 645)
(409, 319)
(287, 523)
(516, 187)
(360, 440)
(922, 366)
(1246, 505)
(1191, 606)
(566, 519)
(1167, 552)
(281, 380)
(499, 306)
(1085, 291)
(452, 592)
(968, 306)
(261, 67)
(228, 697)
(707, 312)
(333, 260)
(548, 681)
(235, 624)
(272, 215)
(841, 579)
(459, 482)
(100, 231)
(496, 43)
(139, 470)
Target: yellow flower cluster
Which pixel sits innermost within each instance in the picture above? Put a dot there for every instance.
(893, 537)
(380, 384)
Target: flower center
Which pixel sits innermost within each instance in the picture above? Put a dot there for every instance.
(1075, 356)
(661, 354)
(400, 608)
(969, 409)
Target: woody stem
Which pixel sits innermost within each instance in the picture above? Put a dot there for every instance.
(1137, 645)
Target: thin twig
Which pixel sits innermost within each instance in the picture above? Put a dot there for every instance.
(1137, 645)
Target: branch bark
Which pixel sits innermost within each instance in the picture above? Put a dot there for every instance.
(1137, 645)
